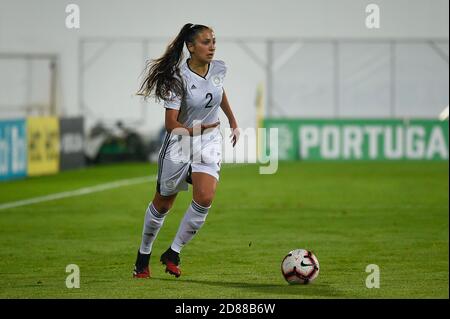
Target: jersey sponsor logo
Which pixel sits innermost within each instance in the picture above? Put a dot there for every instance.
(193, 87)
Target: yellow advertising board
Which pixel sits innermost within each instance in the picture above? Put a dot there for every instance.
(43, 145)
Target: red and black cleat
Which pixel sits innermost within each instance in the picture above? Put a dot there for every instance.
(171, 259)
(141, 267)
(142, 273)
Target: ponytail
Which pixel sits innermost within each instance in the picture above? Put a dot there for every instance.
(163, 76)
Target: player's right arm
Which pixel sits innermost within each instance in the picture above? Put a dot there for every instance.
(171, 123)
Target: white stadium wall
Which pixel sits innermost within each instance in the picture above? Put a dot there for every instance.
(109, 82)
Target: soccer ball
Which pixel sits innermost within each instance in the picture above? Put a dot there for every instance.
(300, 266)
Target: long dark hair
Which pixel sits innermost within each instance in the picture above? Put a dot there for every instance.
(163, 76)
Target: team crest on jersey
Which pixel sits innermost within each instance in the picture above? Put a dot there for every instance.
(217, 80)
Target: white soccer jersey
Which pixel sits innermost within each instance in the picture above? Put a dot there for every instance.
(203, 96)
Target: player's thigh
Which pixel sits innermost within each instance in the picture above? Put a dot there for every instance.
(204, 188)
(163, 203)
(172, 177)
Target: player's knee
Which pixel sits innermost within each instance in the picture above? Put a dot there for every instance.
(204, 198)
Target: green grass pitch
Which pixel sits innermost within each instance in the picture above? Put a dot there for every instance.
(392, 214)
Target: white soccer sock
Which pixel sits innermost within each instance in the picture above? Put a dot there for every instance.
(152, 224)
(193, 220)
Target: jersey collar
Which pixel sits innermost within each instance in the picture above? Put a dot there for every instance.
(203, 77)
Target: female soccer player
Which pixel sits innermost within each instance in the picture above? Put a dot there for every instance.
(192, 93)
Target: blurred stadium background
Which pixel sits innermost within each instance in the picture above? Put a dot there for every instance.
(337, 91)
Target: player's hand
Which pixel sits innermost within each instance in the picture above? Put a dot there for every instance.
(234, 133)
(207, 126)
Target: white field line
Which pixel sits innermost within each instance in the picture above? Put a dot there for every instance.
(79, 192)
(87, 190)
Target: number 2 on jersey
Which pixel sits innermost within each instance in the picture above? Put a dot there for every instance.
(208, 95)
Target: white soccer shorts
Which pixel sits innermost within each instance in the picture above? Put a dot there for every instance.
(174, 174)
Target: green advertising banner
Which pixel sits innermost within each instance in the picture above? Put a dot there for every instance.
(355, 139)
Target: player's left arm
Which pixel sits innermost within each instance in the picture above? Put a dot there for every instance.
(231, 119)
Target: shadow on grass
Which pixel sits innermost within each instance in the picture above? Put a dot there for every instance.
(320, 290)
